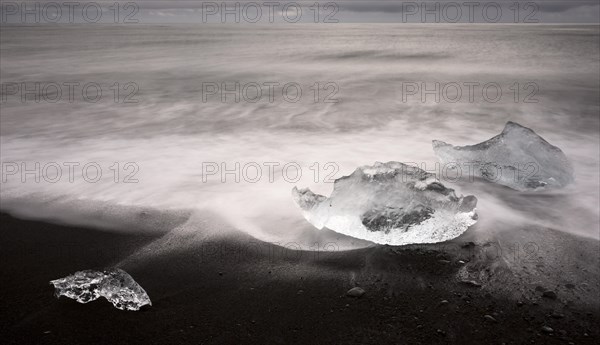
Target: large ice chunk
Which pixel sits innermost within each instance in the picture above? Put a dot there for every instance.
(390, 203)
(517, 158)
(115, 285)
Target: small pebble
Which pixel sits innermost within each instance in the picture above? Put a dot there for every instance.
(470, 283)
(547, 329)
(355, 292)
(489, 318)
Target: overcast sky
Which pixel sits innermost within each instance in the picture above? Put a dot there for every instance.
(395, 11)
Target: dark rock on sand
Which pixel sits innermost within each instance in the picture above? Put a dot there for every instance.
(489, 318)
(547, 329)
(355, 292)
(471, 283)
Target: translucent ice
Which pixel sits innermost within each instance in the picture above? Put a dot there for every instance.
(517, 158)
(115, 285)
(390, 203)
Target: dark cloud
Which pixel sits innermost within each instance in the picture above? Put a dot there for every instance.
(384, 10)
(384, 6)
(392, 6)
(562, 6)
(377, 10)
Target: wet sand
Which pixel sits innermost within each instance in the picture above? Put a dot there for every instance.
(234, 289)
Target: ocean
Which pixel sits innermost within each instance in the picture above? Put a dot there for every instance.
(99, 121)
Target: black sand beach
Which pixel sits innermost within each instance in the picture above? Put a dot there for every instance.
(233, 289)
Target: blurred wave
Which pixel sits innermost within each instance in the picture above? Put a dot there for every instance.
(171, 131)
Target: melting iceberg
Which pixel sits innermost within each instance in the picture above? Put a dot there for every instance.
(115, 285)
(517, 158)
(390, 203)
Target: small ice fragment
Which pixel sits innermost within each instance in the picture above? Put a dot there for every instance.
(390, 203)
(517, 158)
(116, 285)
